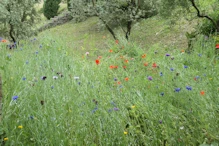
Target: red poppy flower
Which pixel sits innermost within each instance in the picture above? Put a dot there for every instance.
(124, 67)
(112, 67)
(97, 61)
(126, 61)
(126, 79)
(217, 46)
(143, 56)
(4, 41)
(110, 51)
(117, 41)
(154, 65)
(145, 64)
(202, 92)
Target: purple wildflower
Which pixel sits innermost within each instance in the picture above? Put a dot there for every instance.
(24, 78)
(150, 78)
(167, 55)
(43, 78)
(171, 69)
(185, 66)
(115, 109)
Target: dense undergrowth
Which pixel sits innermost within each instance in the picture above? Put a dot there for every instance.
(124, 96)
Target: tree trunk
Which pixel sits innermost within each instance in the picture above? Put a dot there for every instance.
(129, 27)
(108, 28)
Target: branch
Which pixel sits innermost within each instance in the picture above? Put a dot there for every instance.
(202, 16)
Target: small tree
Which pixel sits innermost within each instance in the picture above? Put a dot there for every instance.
(114, 13)
(50, 8)
(17, 19)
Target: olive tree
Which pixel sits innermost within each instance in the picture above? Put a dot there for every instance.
(18, 18)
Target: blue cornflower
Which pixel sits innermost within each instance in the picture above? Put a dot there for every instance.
(188, 88)
(197, 77)
(40, 46)
(52, 87)
(161, 74)
(94, 110)
(37, 52)
(185, 66)
(167, 55)
(110, 110)
(79, 83)
(171, 69)
(177, 89)
(31, 117)
(24, 78)
(15, 97)
(1, 38)
(162, 93)
(150, 78)
(113, 103)
(160, 121)
(115, 79)
(200, 55)
(27, 62)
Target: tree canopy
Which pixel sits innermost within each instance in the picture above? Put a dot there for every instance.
(18, 18)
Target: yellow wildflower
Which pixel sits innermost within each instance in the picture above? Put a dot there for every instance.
(20, 127)
(5, 139)
(125, 132)
(133, 106)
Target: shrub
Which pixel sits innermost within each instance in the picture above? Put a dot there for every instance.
(50, 8)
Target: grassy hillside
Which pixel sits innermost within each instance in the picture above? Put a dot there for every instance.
(153, 31)
(74, 85)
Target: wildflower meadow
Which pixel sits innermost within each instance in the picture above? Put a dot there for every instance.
(123, 95)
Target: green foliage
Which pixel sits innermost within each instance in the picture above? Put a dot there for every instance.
(18, 18)
(50, 8)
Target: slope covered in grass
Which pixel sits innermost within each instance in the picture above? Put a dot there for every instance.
(127, 96)
(146, 33)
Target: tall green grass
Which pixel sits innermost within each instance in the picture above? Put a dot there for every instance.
(112, 103)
